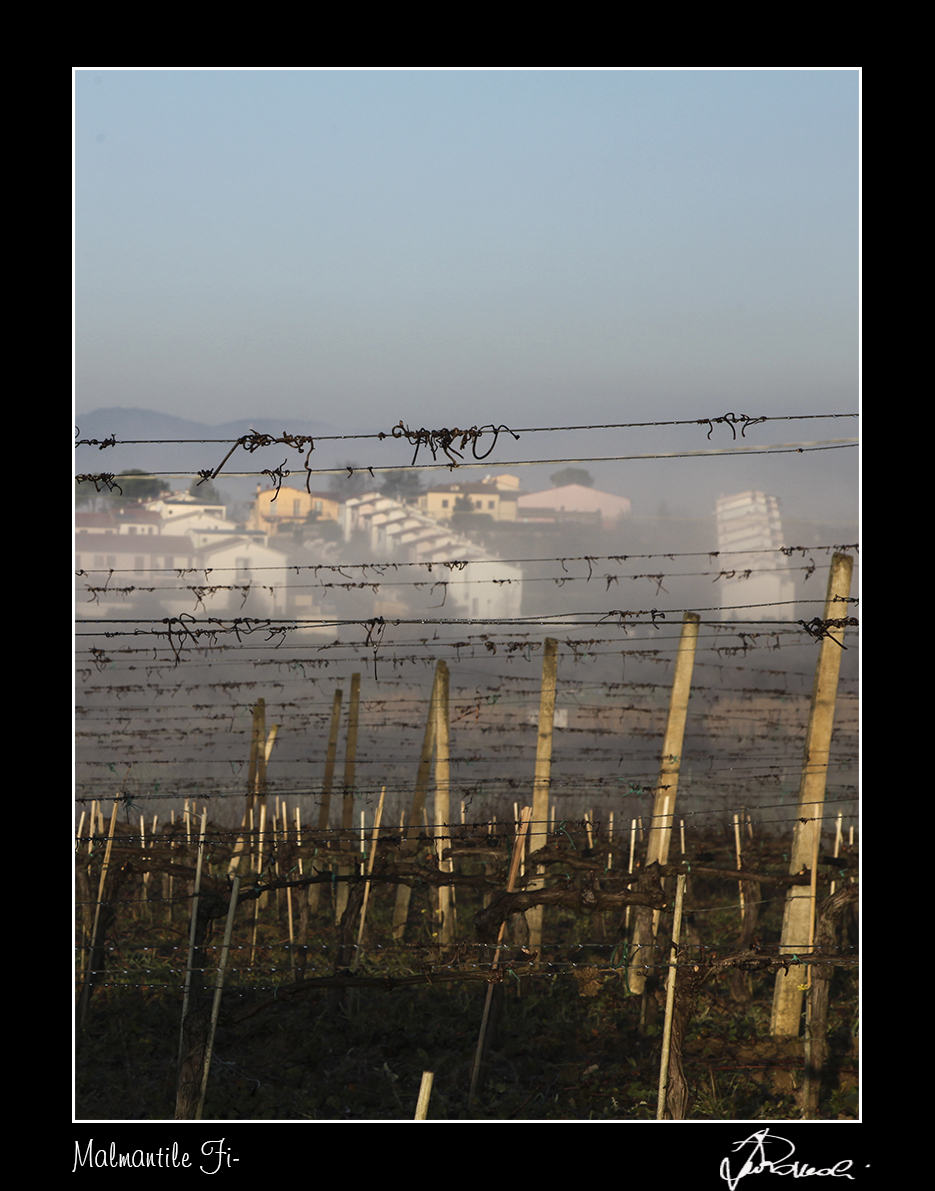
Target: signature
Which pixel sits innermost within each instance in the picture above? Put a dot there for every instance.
(756, 1161)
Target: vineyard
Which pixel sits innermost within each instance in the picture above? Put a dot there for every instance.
(576, 864)
(330, 1012)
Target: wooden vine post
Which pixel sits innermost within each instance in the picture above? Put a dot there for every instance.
(446, 919)
(495, 991)
(797, 925)
(670, 999)
(192, 932)
(425, 1092)
(324, 807)
(660, 832)
(374, 840)
(350, 771)
(404, 892)
(263, 757)
(90, 970)
(257, 736)
(540, 791)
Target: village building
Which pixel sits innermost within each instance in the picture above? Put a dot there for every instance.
(750, 544)
(182, 505)
(495, 496)
(572, 502)
(491, 590)
(188, 558)
(275, 510)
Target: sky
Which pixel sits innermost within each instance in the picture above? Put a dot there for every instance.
(458, 247)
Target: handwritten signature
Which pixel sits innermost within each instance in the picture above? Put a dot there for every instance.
(756, 1161)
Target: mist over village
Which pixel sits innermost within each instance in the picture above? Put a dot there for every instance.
(467, 601)
(375, 572)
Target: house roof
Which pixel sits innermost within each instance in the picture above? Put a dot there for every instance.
(96, 521)
(575, 498)
(472, 486)
(124, 543)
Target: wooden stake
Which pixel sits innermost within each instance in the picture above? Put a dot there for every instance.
(670, 998)
(191, 931)
(838, 836)
(787, 994)
(144, 884)
(670, 767)
(257, 735)
(216, 1007)
(324, 806)
(739, 862)
(258, 732)
(446, 926)
(541, 780)
(373, 852)
(169, 882)
(518, 847)
(350, 757)
(89, 973)
(660, 832)
(303, 905)
(262, 762)
(350, 771)
(404, 892)
(425, 1091)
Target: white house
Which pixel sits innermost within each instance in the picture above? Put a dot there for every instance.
(487, 588)
(749, 537)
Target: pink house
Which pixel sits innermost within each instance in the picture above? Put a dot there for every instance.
(564, 503)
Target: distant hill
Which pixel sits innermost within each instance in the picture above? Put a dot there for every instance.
(153, 444)
(148, 424)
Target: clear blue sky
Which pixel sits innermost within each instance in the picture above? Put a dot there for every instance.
(455, 247)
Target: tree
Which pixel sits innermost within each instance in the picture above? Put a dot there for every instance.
(355, 481)
(205, 493)
(402, 485)
(134, 484)
(572, 475)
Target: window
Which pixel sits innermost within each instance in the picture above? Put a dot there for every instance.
(444, 504)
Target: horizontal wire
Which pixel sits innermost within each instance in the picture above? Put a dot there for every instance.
(460, 564)
(374, 469)
(734, 420)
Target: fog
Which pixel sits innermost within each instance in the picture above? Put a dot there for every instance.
(165, 710)
(649, 275)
